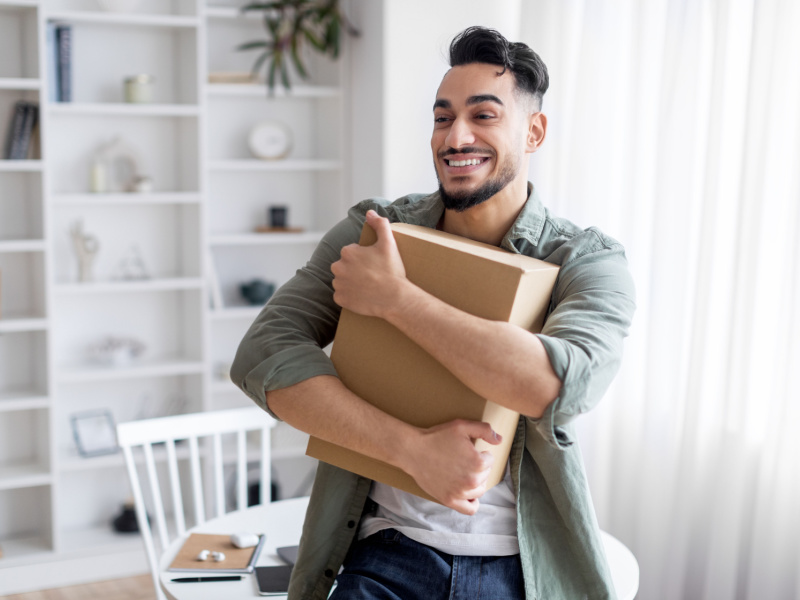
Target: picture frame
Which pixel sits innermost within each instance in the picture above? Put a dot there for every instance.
(95, 433)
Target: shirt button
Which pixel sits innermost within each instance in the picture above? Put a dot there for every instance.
(328, 573)
(351, 524)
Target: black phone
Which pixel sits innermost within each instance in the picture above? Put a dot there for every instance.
(273, 581)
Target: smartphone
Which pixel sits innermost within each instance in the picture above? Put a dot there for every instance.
(273, 581)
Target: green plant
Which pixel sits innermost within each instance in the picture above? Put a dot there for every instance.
(290, 24)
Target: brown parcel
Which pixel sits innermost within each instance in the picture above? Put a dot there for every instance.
(384, 367)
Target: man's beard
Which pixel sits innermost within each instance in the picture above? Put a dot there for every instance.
(463, 200)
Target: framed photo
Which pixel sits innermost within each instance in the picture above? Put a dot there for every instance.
(95, 433)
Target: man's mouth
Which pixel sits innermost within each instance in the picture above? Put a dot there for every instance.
(465, 163)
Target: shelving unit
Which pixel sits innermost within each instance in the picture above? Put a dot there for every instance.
(195, 228)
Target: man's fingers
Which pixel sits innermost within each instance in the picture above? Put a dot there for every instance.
(481, 431)
(381, 225)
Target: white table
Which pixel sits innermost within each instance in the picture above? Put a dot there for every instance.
(282, 522)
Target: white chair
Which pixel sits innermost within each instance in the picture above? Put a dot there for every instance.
(203, 433)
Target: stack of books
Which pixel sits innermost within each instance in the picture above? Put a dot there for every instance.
(21, 130)
(59, 62)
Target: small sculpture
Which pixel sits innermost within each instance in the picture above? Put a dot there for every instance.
(86, 247)
(257, 291)
(132, 267)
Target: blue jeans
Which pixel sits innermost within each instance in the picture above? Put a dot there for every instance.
(390, 566)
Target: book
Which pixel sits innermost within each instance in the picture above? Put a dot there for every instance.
(237, 560)
(15, 128)
(28, 125)
(64, 67)
(51, 61)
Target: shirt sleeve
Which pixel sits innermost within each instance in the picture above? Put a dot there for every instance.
(593, 304)
(284, 345)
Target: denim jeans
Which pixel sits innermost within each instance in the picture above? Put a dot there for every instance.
(390, 566)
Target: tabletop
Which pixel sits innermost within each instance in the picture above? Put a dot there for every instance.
(282, 522)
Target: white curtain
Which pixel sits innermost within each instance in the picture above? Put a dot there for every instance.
(675, 127)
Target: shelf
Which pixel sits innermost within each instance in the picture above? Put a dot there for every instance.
(230, 12)
(165, 367)
(224, 386)
(144, 285)
(24, 550)
(250, 164)
(105, 18)
(237, 312)
(16, 324)
(98, 540)
(22, 246)
(22, 400)
(26, 165)
(13, 477)
(132, 199)
(259, 90)
(108, 109)
(19, 3)
(254, 239)
(19, 83)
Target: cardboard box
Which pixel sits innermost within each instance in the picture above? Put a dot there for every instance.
(384, 367)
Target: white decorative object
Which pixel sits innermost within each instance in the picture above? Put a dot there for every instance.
(139, 89)
(270, 140)
(118, 5)
(94, 432)
(132, 267)
(116, 168)
(116, 352)
(86, 248)
(244, 540)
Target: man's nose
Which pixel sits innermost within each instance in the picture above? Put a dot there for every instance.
(460, 134)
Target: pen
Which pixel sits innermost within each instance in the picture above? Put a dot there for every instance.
(202, 579)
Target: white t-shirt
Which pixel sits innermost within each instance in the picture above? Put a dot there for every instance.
(492, 531)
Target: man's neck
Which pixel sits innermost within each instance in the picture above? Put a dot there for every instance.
(489, 221)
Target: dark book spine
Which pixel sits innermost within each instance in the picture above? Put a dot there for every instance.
(31, 117)
(64, 44)
(14, 137)
(52, 63)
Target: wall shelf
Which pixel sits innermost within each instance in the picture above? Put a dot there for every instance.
(9, 324)
(171, 284)
(277, 166)
(252, 239)
(10, 401)
(22, 166)
(22, 245)
(20, 83)
(164, 367)
(259, 91)
(134, 19)
(248, 313)
(122, 199)
(13, 477)
(112, 109)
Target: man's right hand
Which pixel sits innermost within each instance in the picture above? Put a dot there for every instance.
(444, 462)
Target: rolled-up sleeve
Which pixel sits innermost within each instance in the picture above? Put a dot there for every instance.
(593, 304)
(284, 345)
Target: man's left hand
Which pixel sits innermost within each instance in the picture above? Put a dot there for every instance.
(367, 279)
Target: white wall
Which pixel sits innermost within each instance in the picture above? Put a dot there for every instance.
(398, 63)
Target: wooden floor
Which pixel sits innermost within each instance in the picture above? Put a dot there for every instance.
(132, 588)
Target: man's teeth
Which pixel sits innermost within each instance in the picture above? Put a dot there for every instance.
(464, 163)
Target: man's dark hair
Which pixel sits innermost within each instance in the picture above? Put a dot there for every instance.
(482, 45)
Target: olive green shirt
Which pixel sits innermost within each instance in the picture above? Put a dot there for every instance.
(590, 311)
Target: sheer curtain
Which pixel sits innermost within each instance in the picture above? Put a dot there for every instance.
(675, 127)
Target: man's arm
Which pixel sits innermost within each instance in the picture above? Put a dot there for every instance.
(442, 460)
(498, 361)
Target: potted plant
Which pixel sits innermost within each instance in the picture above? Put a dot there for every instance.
(290, 25)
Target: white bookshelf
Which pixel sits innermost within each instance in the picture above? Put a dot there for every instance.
(209, 194)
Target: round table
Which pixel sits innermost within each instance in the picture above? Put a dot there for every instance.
(282, 523)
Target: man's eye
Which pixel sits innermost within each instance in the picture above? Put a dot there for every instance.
(485, 116)
(440, 119)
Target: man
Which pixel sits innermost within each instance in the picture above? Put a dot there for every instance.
(534, 535)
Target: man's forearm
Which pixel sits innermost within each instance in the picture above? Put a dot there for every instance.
(498, 361)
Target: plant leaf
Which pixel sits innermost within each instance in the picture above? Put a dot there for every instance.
(259, 62)
(252, 45)
(271, 74)
(285, 75)
(298, 63)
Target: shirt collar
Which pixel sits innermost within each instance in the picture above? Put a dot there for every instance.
(528, 225)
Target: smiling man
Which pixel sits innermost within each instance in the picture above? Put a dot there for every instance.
(534, 535)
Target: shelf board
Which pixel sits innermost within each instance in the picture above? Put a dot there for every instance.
(17, 323)
(121, 109)
(24, 550)
(224, 386)
(20, 3)
(26, 165)
(259, 90)
(123, 199)
(95, 540)
(252, 164)
(136, 19)
(140, 369)
(230, 12)
(25, 475)
(18, 401)
(20, 83)
(22, 245)
(235, 312)
(254, 239)
(144, 285)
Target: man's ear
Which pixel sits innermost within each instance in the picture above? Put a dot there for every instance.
(537, 130)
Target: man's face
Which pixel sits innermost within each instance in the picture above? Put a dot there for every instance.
(479, 134)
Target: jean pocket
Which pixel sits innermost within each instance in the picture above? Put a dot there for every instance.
(385, 537)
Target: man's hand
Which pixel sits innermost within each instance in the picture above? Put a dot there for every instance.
(446, 464)
(366, 278)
